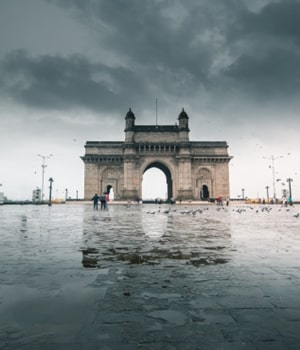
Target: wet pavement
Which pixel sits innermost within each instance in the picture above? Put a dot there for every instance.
(149, 277)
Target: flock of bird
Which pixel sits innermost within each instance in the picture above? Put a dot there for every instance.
(238, 209)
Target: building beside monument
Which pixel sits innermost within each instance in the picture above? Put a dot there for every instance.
(36, 195)
(194, 169)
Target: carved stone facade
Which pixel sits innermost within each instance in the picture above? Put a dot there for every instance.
(194, 169)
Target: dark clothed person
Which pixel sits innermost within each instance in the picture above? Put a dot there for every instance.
(103, 201)
(95, 200)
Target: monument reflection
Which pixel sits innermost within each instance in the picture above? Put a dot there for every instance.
(152, 234)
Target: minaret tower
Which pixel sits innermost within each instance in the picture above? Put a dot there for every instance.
(129, 126)
(184, 130)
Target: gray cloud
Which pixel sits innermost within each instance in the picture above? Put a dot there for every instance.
(55, 82)
(180, 50)
(273, 73)
(192, 45)
(265, 45)
(280, 19)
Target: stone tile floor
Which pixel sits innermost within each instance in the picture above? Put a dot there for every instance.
(149, 277)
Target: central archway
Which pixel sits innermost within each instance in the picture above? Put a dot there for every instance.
(167, 173)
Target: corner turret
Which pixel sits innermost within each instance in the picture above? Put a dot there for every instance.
(130, 118)
(129, 126)
(183, 120)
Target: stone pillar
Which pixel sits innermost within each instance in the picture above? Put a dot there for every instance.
(131, 179)
(222, 180)
(184, 179)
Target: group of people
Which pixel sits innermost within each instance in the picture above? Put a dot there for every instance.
(103, 200)
(219, 201)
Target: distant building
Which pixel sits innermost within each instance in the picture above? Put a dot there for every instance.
(194, 169)
(37, 195)
(1, 197)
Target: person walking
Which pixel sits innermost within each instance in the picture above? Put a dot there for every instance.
(103, 201)
(106, 195)
(95, 200)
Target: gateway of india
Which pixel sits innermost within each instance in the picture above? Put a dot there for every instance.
(195, 170)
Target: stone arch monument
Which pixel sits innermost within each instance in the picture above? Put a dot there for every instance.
(194, 169)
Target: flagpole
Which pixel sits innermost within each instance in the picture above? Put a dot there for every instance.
(156, 110)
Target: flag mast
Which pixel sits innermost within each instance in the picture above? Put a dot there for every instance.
(156, 110)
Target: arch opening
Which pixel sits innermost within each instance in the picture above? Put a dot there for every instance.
(110, 192)
(156, 182)
(204, 193)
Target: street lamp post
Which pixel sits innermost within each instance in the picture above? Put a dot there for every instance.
(272, 158)
(50, 191)
(289, 181)
(66, 194)
(268, 197)
(43, 172)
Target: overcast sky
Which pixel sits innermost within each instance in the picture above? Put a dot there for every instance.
(70, 69)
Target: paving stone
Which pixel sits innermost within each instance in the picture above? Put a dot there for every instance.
(219, 280)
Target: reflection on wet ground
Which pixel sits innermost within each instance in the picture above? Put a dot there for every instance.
(156, 236)
(149, 277)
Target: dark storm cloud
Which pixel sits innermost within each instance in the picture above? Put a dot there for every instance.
(280, 19)
(176, 39)
(266, 46)
(220, 47)
(171, 45)
(60, 82)
(168, 48)
(275, 73)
